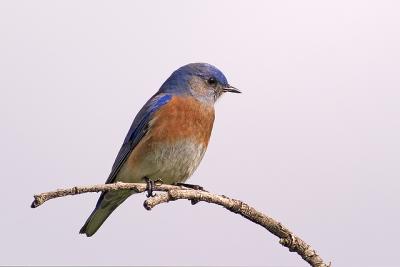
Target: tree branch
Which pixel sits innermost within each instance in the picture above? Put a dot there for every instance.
(172, 193)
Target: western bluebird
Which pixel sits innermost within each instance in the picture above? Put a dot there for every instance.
(168, 137)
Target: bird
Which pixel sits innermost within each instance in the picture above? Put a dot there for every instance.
(168, 137)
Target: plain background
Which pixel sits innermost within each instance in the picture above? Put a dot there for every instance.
(313, 141)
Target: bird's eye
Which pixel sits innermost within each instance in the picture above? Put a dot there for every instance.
(212, 81)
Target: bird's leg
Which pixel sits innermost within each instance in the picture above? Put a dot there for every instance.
(150, 187)
(191, 186)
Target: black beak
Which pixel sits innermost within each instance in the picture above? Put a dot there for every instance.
(231, 89)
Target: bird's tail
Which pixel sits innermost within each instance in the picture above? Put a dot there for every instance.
(106, 204)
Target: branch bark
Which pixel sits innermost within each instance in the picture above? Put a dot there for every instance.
(172, 193)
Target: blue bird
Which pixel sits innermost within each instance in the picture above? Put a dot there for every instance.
(168, 137)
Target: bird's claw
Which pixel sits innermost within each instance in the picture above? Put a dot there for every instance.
(191, 186)
(150, 187)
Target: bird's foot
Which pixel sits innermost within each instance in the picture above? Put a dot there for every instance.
(150, 187)
(194, 187)
(191, 186)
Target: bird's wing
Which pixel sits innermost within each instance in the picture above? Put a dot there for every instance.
(138, 129)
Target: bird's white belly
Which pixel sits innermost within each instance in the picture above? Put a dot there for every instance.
(172, 162)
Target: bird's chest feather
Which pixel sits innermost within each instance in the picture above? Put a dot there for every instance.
(178, 137)
(182, 118)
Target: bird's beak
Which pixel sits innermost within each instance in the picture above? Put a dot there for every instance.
(231, 89)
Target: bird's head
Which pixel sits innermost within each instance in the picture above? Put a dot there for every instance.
(200, 80)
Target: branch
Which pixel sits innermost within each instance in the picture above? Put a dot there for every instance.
(287, 238)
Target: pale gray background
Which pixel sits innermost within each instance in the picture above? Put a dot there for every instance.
(313, 140)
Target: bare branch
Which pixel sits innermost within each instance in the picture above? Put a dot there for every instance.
(172, 193)
(138, 188)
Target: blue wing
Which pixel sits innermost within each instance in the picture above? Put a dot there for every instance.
(138, 129)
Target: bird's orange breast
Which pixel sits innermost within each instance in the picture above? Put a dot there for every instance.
(183, 118)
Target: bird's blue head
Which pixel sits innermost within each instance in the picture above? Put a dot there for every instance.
(200, 80)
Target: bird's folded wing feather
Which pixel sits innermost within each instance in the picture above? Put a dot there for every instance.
(137, 131)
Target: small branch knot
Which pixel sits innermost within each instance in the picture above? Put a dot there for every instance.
(146, 205)
(173, 194)
(75, 190)
(36, 203)
(194, 201)
(289, 242)
(236, 207)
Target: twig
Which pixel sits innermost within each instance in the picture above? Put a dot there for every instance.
(287, 238)
(138, 188)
